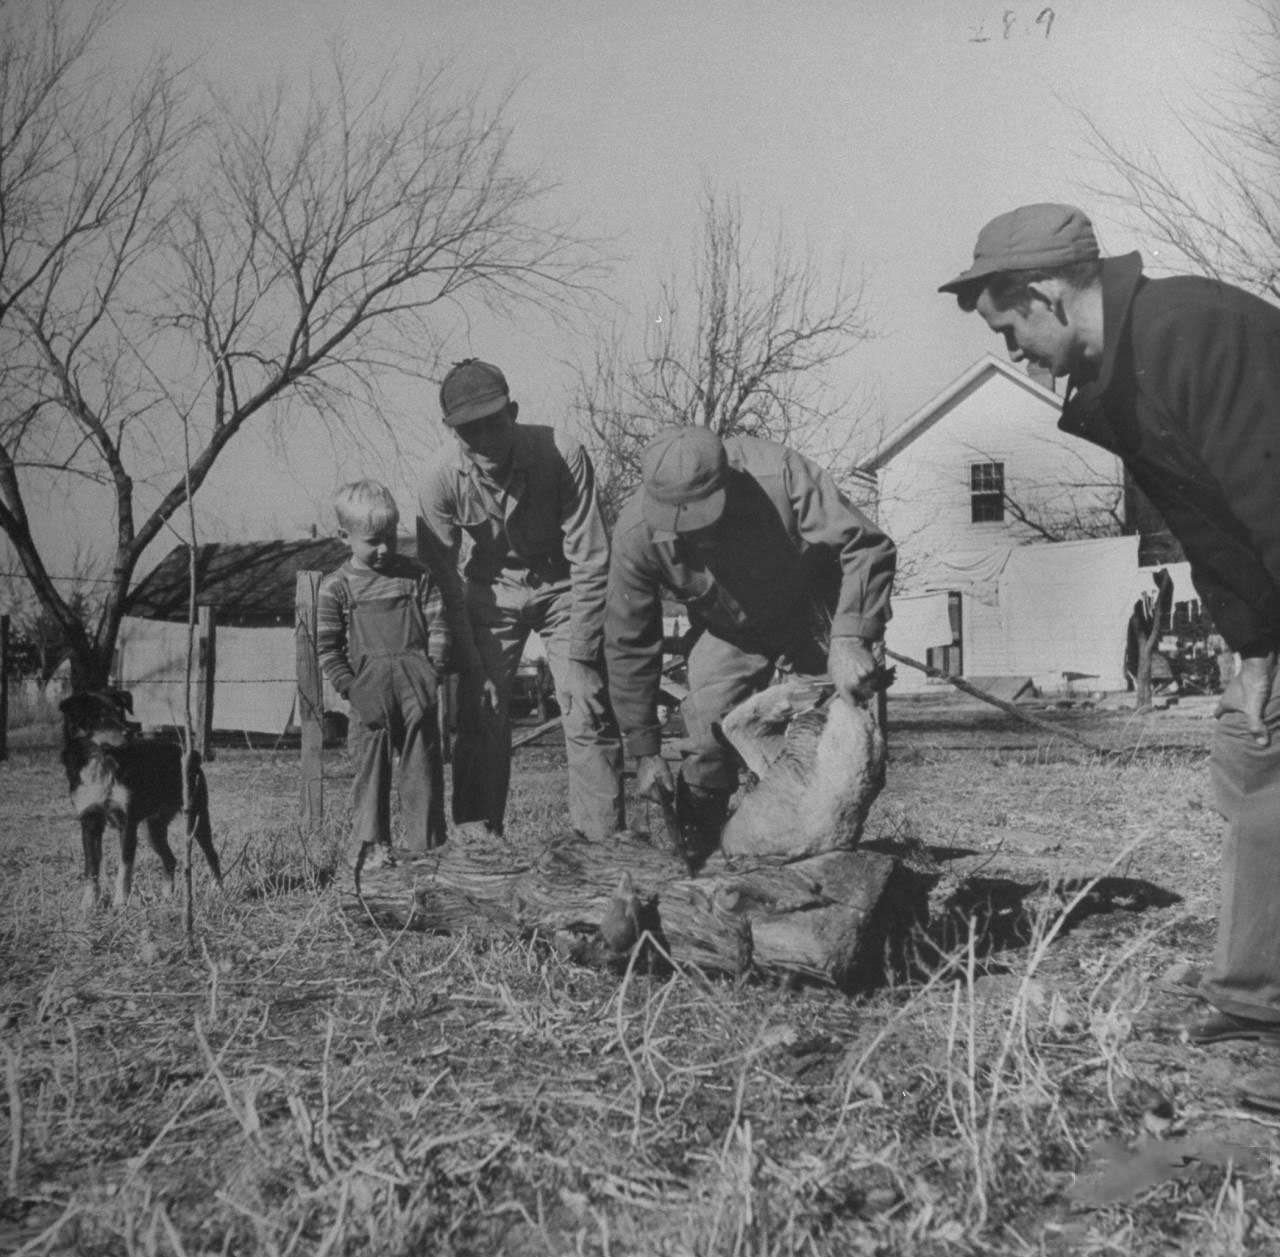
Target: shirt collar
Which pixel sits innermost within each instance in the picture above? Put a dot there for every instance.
(1120, 279)
(520, 462)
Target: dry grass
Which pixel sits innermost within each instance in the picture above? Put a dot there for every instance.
(292, 1081)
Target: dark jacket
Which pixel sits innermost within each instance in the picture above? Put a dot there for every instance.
(797, 542)
(1188, 395)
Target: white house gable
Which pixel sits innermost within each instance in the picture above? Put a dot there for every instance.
(967, 486)
(983, 465)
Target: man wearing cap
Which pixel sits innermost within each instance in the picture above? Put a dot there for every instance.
(1181, 378)
(513, 508)
(766, 554)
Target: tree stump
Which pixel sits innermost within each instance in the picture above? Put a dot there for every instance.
(824, 918)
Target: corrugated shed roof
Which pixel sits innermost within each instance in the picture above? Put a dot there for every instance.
(250, 583)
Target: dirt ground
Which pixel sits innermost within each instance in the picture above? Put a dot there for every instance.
(288, 1079)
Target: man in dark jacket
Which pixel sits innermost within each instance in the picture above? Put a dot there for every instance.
(766, 554)
(1181, 378)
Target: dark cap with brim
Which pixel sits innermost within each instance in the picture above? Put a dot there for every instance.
(472, 390)
(684, 471)
(1030, 238)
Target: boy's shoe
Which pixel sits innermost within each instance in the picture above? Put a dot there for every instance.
(1220, 1027)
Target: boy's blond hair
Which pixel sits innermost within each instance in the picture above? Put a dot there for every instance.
(365, 504)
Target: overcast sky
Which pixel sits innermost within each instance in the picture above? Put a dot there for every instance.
(883, 132)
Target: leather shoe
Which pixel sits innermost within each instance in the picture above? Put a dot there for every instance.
(1261, 1089)
(1222, 1027)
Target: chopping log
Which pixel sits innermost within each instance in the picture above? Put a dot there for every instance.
(787, 893)
(818, 918)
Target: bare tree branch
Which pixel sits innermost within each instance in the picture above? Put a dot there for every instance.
(1226, 223)
(748, 355)
(176, 267)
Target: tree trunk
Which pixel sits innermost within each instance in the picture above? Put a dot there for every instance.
(826, 918)
(1142, 692)
(90, 669)
(1147, 622)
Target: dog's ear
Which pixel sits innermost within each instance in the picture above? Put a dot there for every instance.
(122, 699)
(74, 706)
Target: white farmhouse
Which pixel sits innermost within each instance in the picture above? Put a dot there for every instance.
(974, 487)
(983, 465)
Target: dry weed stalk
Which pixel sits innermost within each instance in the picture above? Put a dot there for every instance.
(404, 1097)
(43, 1242)
(13, 1083)
(138, 1163)
(735, 1195)
(991, 1090)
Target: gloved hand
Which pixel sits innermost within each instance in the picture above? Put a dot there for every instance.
(654, 780)
(477, 682)
(583, 687)
(474, 678)
(1249, 692)
(853, 668)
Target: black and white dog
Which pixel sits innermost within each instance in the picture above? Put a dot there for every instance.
(130, 782)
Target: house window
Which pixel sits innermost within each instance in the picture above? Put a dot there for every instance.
(986, 492)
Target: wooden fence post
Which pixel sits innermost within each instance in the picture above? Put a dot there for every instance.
(207, 664)
(310, 697)
(4, 687)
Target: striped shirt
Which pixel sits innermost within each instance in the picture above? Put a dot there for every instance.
(350, 584)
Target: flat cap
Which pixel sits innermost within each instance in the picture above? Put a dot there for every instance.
(472, 390)
(1029, 238)
(684, 471)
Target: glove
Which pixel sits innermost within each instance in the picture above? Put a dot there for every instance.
(853, 668)
(654, 780)
(479, 684)
(1249, 692)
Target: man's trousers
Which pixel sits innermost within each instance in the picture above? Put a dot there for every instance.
(1245, 977)
(502, 616)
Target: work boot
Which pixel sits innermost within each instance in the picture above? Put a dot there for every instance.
(1220, 1027)
(701, 813)
(1261, 1089)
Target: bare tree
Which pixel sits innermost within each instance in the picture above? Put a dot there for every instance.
(1148, 620)
(1227, 222)
(1079, 511)
(175, 267)
(41, 636)
(744, 347)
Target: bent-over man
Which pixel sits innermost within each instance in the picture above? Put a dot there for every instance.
(767, 555)
(1181, 378)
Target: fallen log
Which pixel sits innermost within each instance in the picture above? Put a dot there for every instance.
(787, 892)
(825, 918)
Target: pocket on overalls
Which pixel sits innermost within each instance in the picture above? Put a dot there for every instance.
(419, 682)
(368, 696)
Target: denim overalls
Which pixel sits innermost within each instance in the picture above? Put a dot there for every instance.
(394, 696)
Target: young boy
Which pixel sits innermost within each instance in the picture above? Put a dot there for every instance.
(383, 641)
